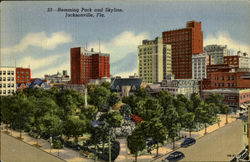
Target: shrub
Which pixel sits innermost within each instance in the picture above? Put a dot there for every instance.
(57, 144)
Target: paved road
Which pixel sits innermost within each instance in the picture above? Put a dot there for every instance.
(216, 146)
(14, 150)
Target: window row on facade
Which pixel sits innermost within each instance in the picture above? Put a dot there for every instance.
(22, 72)
(6, 72)
(224, 78)
(9, 85)
(4, 92)
(6, 78)
(224, 84)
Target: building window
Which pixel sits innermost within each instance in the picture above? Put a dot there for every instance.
(228, 84)
(8, 72)
(4, 79)
(0, 72)
(12, 72)
(4, 72)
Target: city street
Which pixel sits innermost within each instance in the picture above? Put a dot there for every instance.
(222, 143)
(14, 150)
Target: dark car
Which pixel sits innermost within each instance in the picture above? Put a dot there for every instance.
(175, 156)
(187, 142)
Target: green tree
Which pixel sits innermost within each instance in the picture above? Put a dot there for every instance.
(67, 106)
(225, 110)
(113, 118)
(100, 98)
(157, 131)
(113, 99)
(52, 124)
(74, 127)
(196, 100)
(135, 142)
(171, 121)
(22, 110)
(207, 114)
(41, 108)
(141, 93)
(189, 121)
(165, 99)
(125, 110)
(148, 109)
(107, 85)
(214, 98)
(90, 112)
(7, 111)
(131, 101)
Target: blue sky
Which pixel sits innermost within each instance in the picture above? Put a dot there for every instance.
(42, 40)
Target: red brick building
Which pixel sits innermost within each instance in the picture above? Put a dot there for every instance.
(185, 42)
(232, 61)
(224, 76)
(86, 65)
(23, 75)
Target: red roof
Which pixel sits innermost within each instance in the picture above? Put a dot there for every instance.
(135, 118)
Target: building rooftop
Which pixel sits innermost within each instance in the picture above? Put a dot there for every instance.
(117, 84)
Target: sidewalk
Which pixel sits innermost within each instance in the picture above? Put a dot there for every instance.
(65, 153)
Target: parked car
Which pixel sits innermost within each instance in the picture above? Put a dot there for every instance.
(175, 156)
(187, 142)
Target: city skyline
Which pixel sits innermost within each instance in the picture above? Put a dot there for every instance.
(32, 36)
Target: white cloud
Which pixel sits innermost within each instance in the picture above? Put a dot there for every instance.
(63, 66)
(121, 45)
(223, 38)
(127, 74)
(39, 62)
(40, 39)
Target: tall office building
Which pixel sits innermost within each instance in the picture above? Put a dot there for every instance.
(7, 80)
(86, 65)
(199, 66)
(185, 42)
(154, 60)
(217, 52)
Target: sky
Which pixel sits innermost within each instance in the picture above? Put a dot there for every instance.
(33, 37)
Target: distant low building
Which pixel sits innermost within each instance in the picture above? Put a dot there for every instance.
(175, 86)
(23, 75)
(38, 83)
(126, 86)
(57, 78)
(234, 98)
